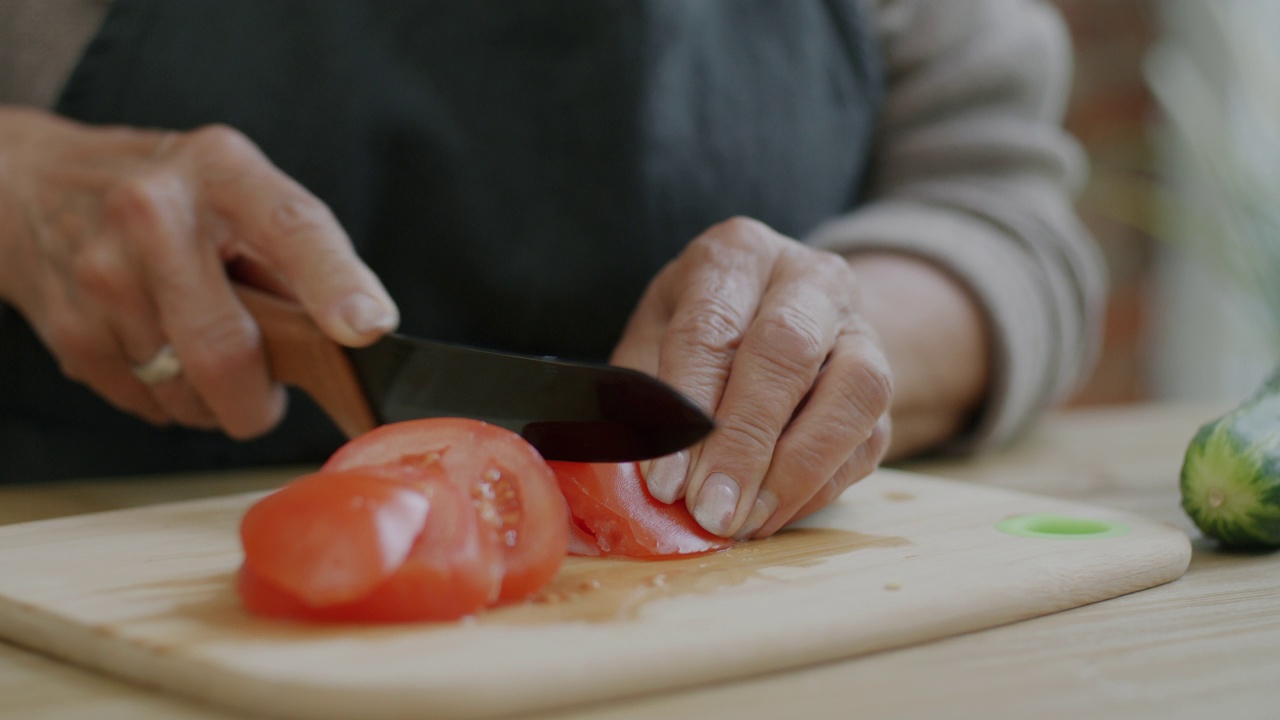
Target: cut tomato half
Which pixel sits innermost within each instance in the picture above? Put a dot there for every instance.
(611, 503)
(453, 569)
(508, 483)
(329, 538)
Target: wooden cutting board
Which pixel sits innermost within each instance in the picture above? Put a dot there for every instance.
(147, 594)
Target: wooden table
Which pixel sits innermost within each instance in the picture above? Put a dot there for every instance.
(1205, 646)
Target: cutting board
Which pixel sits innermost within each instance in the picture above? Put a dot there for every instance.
(147, 594)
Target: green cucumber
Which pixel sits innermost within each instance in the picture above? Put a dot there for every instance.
(1231, 473)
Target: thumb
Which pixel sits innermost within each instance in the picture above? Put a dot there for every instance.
(293, 233)
(354, 310)
(351, 326)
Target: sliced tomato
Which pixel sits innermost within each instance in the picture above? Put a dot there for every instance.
(611, 503)
(453, 569)
(582, 542)
(509, 485)
(329, 538)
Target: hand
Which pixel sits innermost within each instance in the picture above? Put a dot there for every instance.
(118, 242)
(765, 333)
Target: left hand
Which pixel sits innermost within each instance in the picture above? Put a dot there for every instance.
(765, 333)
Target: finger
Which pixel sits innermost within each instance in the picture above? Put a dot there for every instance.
(717, 289)
(863, 462)
(790, 338)
(215, 339)
(107, 277)
(638, 349)
(88, 353)
(296, 235)
(844, 412)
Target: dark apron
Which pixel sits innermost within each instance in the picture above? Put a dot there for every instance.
(515, 172)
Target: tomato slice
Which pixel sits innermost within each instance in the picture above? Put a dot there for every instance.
(328, 538)
(507, 481)
(582, 542)
(611, 502)
(453, 569)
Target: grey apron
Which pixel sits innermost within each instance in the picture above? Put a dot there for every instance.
(515, 172)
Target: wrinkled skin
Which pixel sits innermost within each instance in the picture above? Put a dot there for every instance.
(117, 241)
(766, 333)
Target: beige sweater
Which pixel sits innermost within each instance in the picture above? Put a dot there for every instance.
(971, 170)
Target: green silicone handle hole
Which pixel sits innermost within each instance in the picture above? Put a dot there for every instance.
(1061, 527)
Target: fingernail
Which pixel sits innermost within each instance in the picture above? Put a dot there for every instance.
(364, 315)
(666, 476)
(765, 505)
(717, 502)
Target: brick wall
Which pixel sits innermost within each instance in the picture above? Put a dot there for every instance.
(1109, 112)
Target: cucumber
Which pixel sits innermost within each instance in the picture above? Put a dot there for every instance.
(1231, 473)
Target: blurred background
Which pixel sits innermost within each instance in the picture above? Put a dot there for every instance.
(1177, 103)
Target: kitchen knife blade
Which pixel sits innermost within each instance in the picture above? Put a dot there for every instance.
(574, 411)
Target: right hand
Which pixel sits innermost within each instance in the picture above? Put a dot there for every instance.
(117, 242)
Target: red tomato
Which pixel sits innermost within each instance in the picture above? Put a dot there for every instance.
(289, 535)
(611, 502)
(582, 542)
(453, 569)
(508, 482)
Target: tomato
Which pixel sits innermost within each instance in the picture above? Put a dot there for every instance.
(509, 484)
(611, 503)
(454, 568)
(289, 535)
(582, 542)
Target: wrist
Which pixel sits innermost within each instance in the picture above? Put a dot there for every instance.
(937, 338)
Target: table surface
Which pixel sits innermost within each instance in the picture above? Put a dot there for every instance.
(1204, 646)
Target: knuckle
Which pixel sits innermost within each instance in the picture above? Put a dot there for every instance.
(222, 155)
(793, 340)
(708, 249)
(97, 269)
(849, 474)
(219, 140)
(728, 239)
(808, 459)
(224, 344)
(707, 326)
(150, 211)
(830, 265)
(878, 443)
(863, 461)
(833, 273)
(743, 229)
(827, 494)
(136, 200)
(875, 384)
(746, 436)
(867, 387)
(296, 215)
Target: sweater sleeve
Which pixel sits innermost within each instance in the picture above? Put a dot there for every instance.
(40, 42)
(973, 171)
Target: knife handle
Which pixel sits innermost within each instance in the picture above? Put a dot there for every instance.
(300, 354)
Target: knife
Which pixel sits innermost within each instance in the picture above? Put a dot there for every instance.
(581, 412)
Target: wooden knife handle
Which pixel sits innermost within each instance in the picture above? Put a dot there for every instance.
(299, 354)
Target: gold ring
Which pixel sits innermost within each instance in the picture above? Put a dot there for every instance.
(164, 366)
